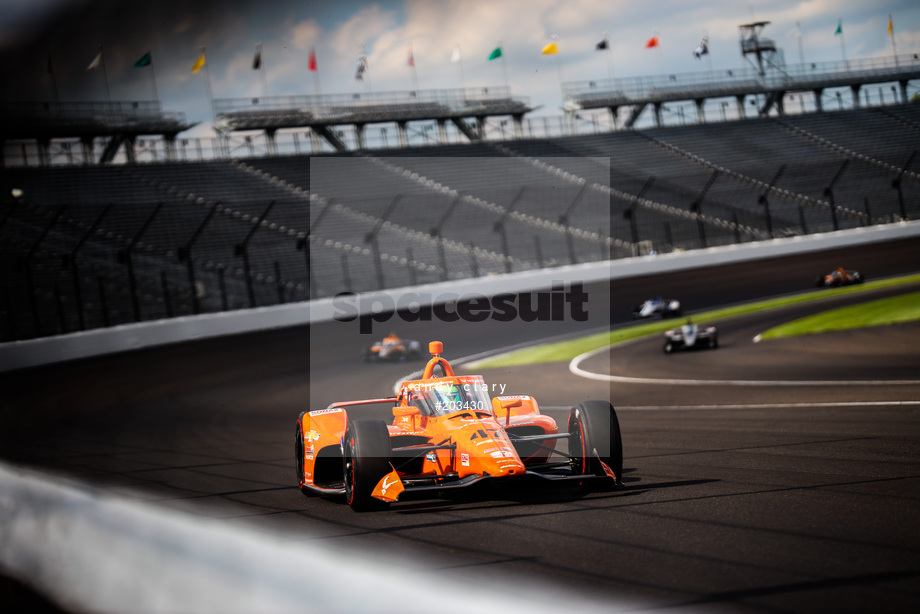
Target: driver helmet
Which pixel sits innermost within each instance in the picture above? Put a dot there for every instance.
(450, 393)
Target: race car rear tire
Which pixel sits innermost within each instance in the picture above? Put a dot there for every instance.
(299, 455)
(366, 455)
(595, 432)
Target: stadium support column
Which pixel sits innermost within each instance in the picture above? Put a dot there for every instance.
(86, 143)
(614, 113)
(740, 101)
(44, 152)
(130, 155)
(223, 144)
(818, 93)
(170, 140)
(359, 136)
(401, 133)
(270, 142)
(701, 118)
(518, 121)
(855, 89)
(903, 85)
(442, 131)
(657, 107)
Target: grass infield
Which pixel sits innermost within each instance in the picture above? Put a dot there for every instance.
(894, 310)
(569, 349)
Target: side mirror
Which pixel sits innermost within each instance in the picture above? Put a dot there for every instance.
(503, 406)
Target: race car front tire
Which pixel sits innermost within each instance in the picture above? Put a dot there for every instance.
(595, 434)
(366, 455)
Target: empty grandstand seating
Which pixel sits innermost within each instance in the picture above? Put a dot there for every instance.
(83, 247)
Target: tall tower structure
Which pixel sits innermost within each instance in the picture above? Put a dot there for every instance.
(763, 49)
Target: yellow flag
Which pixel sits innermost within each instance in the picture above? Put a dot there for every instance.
(550, 49)
(198, 64)
(890, 26)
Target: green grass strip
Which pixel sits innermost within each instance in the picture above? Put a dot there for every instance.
(881, 312)
(567, 350)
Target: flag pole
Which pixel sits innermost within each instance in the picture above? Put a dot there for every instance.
(608, 56)
(54, 87)
(708, 53)
(843, 47)
(504, 66)
(459, 60)
(262, 72)
(412, 66)
(153, 77)
(105, 74)
(316, 86)
(558, 63)
(314, 68)
(364, 69)
(894, 48)
(207, 83)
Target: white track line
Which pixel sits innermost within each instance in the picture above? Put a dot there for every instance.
(575, 369)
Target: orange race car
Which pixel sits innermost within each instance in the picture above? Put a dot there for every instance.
(839, 277)
(447, 433)
(392, 347)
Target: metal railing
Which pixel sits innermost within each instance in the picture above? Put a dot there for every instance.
(789, 77)
(331, 103)
(97, 110)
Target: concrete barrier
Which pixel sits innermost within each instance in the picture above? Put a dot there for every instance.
(34, 352)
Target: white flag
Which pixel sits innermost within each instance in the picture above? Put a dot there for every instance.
(96, 63)
(455, 56)
(702, 49)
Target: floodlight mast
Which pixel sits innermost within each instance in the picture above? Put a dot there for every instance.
(752, 42)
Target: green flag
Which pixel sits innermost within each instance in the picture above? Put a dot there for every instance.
(144, 60)
(496, 53)
(839, 29)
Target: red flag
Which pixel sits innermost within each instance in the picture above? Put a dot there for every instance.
(652, 42)
(312, 62)
(411, 57)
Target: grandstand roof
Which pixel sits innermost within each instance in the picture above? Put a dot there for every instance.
(30, 120)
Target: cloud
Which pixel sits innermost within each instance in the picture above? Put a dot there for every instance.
(305, 34)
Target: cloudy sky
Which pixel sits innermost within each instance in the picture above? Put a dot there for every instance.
(174, 31)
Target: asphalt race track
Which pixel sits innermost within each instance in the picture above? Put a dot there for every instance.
(797, 497)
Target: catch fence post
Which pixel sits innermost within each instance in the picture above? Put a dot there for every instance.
(242, 249)
(71, 259)
(185, 254)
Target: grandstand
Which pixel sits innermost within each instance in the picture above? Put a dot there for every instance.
(91, 246)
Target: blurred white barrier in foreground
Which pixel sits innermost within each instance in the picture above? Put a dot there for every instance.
(95, 552)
